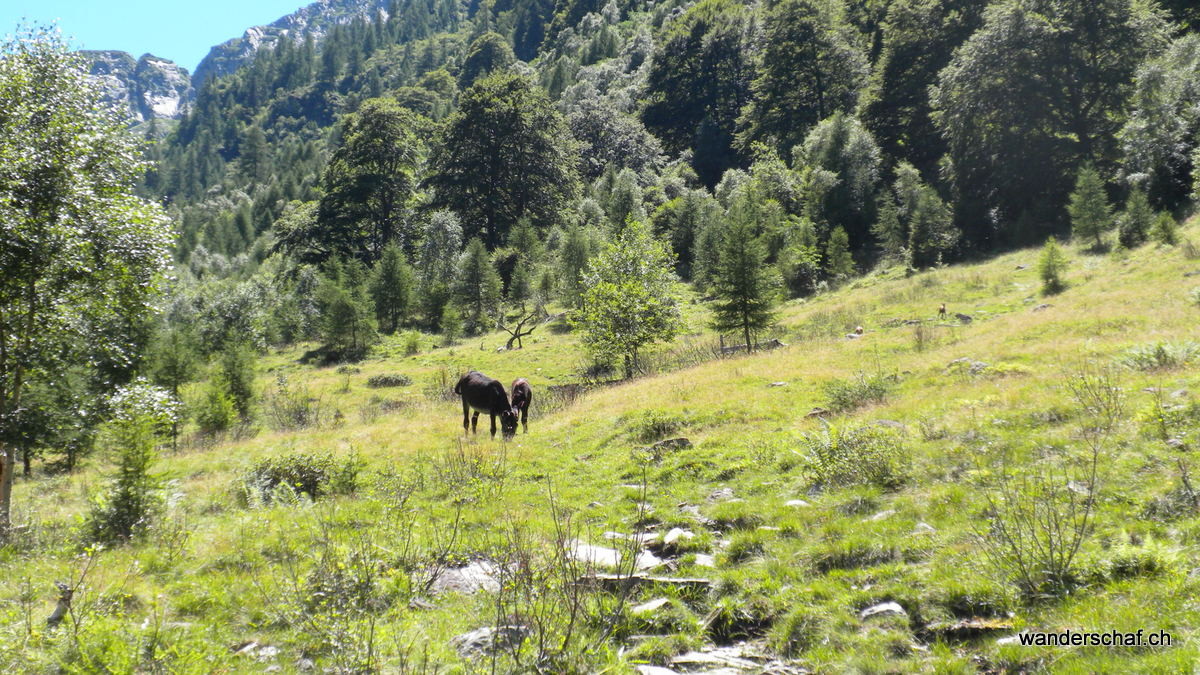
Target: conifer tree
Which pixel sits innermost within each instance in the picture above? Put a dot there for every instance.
(838, 262)
(478, 288)
(1051, 266)
(1090, 212)
(391, 289)
(1136, 220)
(747, 289)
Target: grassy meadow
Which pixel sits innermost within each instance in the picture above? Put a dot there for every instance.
(800, 521)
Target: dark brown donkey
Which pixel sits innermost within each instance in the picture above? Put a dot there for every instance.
(483, 394)
(522, 396)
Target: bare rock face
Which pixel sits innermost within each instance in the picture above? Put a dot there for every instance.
(313, 20)
(148, 88)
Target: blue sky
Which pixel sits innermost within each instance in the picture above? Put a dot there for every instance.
(180, 31)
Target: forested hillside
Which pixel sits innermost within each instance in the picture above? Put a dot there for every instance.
(855, 328)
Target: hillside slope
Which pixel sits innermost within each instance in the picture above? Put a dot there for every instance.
(800, 522)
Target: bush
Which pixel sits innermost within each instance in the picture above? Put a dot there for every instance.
(215, 413)
(1164, 230)
(1036, 524)
(862, 456)
(394, 380)
(1160, 356)
(846, 395)
(412, 343)
(654, 425)
(314, 475)
(289, 407)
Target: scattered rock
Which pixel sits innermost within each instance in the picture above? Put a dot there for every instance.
(305, 665)
(965, 318)
(720, 495)
(1010, 640)
(720, 660)
(1179, 393)
(883, 609)
(1021, 267)
(796, 503)
(694, 511)
(817, 412)
(650, 607)
(705, 560)
(485, 640)
(924, 528)
(661, 448)
(852, 336)
(1044, 305)
(479, 575)
(777, 384)
(675, 536)
(891, 424)
(968, 629)
(768, 528)
(602, 556)
(882, 515)
(774, 343)
(655, 670)
(618, 582)
(1192, 273)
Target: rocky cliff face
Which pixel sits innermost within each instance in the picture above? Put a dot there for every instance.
(314, 20)
(148, 88)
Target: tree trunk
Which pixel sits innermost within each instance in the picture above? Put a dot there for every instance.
(7, 466)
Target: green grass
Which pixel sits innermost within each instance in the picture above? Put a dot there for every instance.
(315, 577)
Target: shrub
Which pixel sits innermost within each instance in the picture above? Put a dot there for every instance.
(1160, 356)
(412, 343)
(1036, 524)
(1051, 267)
(861, 456)
(392, 380)
(847, 395)
(215, 413)
(288, 407)
(142, 418)
(1164, 230)
(654, 425)
(309, 474)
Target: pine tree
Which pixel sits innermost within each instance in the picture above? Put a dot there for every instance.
(1051, 266)
(391, 289)
(839, 264)
(1164, 230)
(236, 377)
(746, 287)
(1090, 212)
(1136, 220)
(478, 287)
